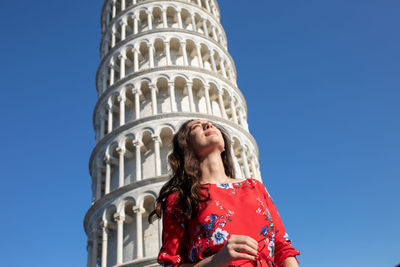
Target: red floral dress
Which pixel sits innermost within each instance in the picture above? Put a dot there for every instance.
(241, 208)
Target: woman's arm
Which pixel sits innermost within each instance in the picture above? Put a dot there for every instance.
(290, 262)
(229, 252)
(283, 247)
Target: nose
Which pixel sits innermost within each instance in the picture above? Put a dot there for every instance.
(208, 125)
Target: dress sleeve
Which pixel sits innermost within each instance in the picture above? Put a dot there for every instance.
(283, 246)
(173, 249)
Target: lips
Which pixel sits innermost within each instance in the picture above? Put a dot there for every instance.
(211, 132)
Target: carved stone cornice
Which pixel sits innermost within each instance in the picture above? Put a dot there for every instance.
(132, 37)
(195, 70)
(172, 116)
(102, 202)
(129, 8)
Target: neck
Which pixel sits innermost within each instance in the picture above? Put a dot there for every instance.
(212, 169)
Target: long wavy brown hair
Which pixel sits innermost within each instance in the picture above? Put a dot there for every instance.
(186, 174)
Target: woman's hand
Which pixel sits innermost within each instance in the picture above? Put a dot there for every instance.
(237, 247)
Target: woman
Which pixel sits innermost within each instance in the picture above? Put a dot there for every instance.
(210, 218)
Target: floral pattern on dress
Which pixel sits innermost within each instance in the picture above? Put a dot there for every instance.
(219, 236)
(225, 186)
(233, 208)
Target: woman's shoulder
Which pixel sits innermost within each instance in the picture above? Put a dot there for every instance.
(259, 184)
(253, 181)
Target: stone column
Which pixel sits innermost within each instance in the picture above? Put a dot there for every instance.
(180, 24)
(199, 57)
(233, 109)
(184, 53)
(164, 18)
(102, 126)
(205, 27)
(193, 22)
(159, 226)
(153, 98)
(122, 100)
(123, 30)
(107, 45)
(241, 119)
(135, 59)
(157, 141)
(113, 37)
(167, 52)
(121, 151)
(150, 19)
(104, 244)
(123, 5)
(111, 66)
(89, 249)
(120, 218)
(136, 92)
(122, 58)
(108, 175)
(108, 15)
(213, 65)
(230, 75)
(139, 231)
(253, 167)
(221, 104)
(104, 83)
(151, 55)
(223, 68)
(199, 2)
(94, 249)
(110, 117)
(114, 9)
(245, 164)
(190, 93)
(208, 6)
(207, 94)
(135, 25)
(137, 145)
(171, 88)
(99, 179)
(215, 34)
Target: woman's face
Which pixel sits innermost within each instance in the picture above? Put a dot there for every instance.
(204, 137)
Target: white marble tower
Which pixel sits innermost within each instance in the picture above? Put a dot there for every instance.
(162, 62)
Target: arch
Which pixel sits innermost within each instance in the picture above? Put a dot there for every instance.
(157, 16)
(121, 205)
(166, 132)
(109, 219)
(176, 51)
(146, 105)
(142, 20)
(191, 51)
(186, 19)
(148, 158)
(144, 60)
(108, 212)
(171, 17)
(181, 94)
(163, 95)
(199, 97)
(150, 231)
(205, 55)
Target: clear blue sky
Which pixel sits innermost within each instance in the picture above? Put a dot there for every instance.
(321, 80)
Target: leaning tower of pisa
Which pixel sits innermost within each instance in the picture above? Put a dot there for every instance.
(162, 62)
